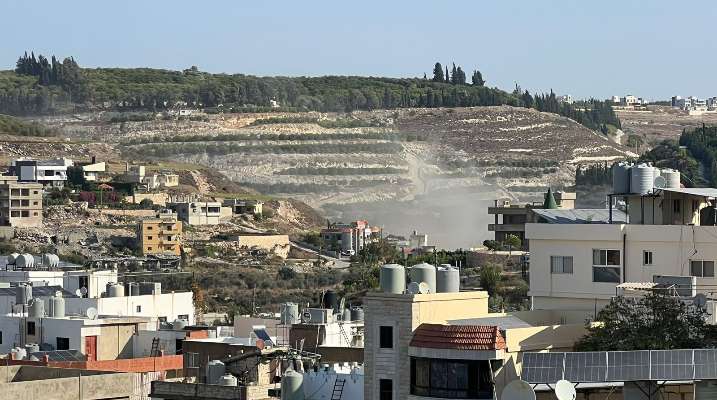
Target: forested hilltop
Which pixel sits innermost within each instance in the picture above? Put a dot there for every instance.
(39, 85)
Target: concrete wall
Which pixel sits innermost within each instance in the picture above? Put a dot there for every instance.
(278, 244)
(157, 198)
(115, 341)
(142, 342)
(169, 305)
(82, 385)
(673, 246)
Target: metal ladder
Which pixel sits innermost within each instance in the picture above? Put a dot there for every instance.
(338, 388)
(343, 333)
(155, 348)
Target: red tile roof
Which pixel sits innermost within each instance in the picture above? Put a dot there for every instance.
(458, 337)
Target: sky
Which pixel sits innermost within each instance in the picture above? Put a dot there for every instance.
(652, 49)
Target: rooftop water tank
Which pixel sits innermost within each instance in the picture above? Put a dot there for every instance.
(23, 294)
(37, 308)
(289, 314)
(57, 307)
(424, 272)
(448, 280)
(12, 258)
(115, 290)
(18, 353)
(50, 260)
(357, 314)
(642, 179)
(672, 178)
(393, 278)
(291, 386)
(215, 370)
(150, 288)
(179, 324)
(25, 261)
(132, 289)
(32, 348)
(621, 178)
(228, 380)
(331, 300)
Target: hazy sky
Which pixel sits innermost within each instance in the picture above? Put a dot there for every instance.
(652, 49)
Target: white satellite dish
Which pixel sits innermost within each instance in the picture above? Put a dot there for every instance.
(58, 293)
(660, 182)
(423, 288)
(700, 300)
(78, 293)
(518, 390)
(413, 288)
(91, 313)
(564, 390)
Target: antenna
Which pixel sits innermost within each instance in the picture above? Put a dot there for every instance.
(518, 390)
(564, 390)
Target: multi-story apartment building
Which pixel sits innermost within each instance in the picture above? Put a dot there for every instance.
(20, 203)
(160, 235)
(50, 173)
(349, 238)
(578, 263)
(198, 212)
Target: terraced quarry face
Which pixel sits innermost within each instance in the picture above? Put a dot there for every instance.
(433, 170)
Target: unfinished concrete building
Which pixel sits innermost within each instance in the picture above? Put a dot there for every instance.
(160, 235)
(20, 203)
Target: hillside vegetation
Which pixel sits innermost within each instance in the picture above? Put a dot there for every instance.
(17, 127)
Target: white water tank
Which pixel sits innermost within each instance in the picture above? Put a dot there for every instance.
(621, 177)
(346, 315)
(228, 380)
(57, 307)
(357, 314)
(115, 290)
(23, 294)
(448, 280)
(292, 386)
(215, 370)
(392, 278)
(179, 324)
(37, 308)
(50, 260)
(424, 272)
(642, 178)
(18, 353)
(25, 261)
(289, 314)
(32, 348)
(672, 178)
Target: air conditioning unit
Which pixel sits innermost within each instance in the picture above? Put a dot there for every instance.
(317, 316)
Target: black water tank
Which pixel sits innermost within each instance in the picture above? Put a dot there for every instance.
(330, 300)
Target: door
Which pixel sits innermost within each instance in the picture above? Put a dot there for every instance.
(91, 348)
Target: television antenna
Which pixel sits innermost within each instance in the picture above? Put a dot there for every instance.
(564, 390)
(518, 390)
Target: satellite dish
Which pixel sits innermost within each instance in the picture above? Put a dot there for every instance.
(91, 313)
(78, 292)
(423, 288)
(660, 182)
(413, 288)
(700, 300)
(564, 390)
(260, 344)
(518, 390)
(58, 293)
(83, 290)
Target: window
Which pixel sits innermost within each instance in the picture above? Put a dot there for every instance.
(149, 248)
(646, 257)
(149, 237)
(702, 269)
(386, 337)
(30, 328)
(14, 213)
(561, 264)
(25, 214)
(184, 317)
(385, 389)
(35, 192)
(606, 266)
(676, 206)
(49, 173)
(34, 203)
(25, 192)
(456, 379)
(139, 308)
(63, 343)
(149, 228)
(15, 192)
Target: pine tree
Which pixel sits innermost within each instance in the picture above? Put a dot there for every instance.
(448, 78)
(461, 79)
(438, 72)
(477, 78)
(454, 75)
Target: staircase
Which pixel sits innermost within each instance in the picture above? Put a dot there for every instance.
(338, 388)
(155, 348)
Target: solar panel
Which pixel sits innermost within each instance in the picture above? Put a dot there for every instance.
(542, 367)
(628, 365)
(671, 365)
(61, 355)
(586, 366)
(705, 364)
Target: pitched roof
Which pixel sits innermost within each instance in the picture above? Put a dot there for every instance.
(458, 337)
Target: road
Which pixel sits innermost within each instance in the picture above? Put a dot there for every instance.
(338, 263)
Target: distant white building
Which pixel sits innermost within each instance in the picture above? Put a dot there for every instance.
(566, 98)
(50, 173)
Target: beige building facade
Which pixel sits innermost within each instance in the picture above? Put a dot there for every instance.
(20, 203)
(160, 235)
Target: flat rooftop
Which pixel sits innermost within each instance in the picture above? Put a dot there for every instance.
(580, 216)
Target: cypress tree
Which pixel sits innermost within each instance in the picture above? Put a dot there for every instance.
(438, 72)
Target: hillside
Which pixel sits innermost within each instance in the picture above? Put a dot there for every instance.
(406, 169)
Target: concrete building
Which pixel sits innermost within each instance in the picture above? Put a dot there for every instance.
(20, 203)
(566, 98)
(349, 239)
(244, 207)
(49, 173)
(510, 219)
(160, 235)
(41, 382)
(577, 264)
(423, 346)
(91, 283)
(198, 212)
(150, 181)
(92, 171)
